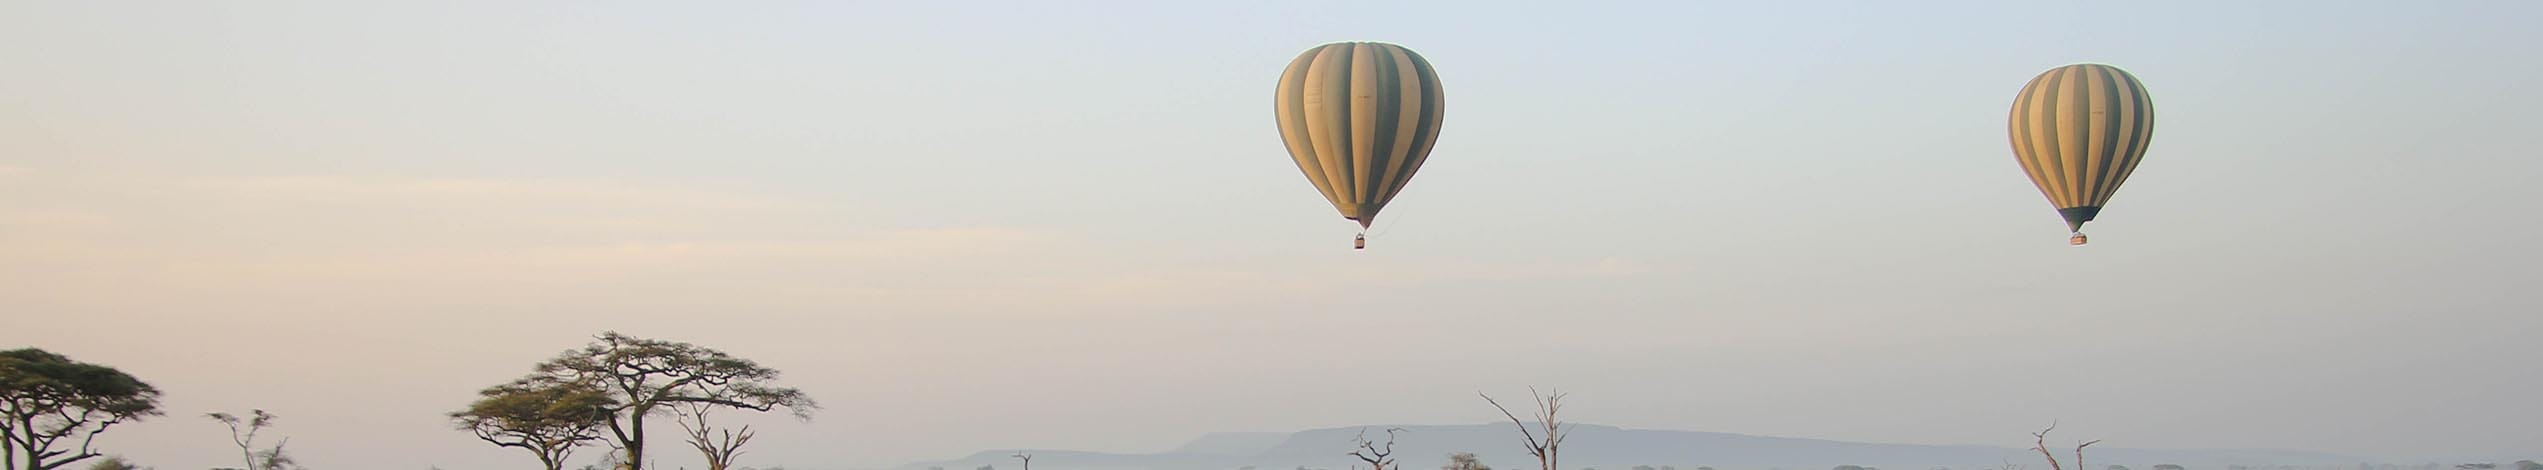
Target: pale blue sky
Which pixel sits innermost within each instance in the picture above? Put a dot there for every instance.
(970, 225)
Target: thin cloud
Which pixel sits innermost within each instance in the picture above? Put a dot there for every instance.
(507, 191)
(605, 261)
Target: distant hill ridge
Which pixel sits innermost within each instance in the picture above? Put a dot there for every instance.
(1605, 448)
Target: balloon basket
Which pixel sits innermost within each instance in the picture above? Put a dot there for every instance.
(2077, 240)
(1359, 242)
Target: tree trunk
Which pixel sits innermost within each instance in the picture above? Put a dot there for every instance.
(635, 440)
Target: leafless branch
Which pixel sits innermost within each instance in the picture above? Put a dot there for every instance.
(1378, 459)
(720, 448)
(2079, 454)
(2040, 443)
(1549, 450)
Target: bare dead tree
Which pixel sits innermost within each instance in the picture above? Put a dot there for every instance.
(256, 421)
(2041, 443)
(720, 449)
(2079, 453)
(1548, 450)
(1027, 458)
(1377, 458)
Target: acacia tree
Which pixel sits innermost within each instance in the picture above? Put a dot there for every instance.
(1464, 461)
(46, 398)
(548, 419)
(1549, 449)
(645, 376)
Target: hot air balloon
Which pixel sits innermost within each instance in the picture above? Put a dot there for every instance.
(1359, 118)
(2079, 130)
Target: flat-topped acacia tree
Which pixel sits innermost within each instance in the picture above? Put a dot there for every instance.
(548, 419)
(48, 400)
(644, 376)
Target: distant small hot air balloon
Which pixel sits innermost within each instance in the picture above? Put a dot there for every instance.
(1359, 118)
(2079, 130)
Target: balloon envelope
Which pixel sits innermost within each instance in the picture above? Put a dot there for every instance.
(2079, 130)
(1359, 118)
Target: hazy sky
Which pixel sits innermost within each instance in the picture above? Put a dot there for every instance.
(974, 225)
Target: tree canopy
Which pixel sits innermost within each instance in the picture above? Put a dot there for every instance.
(640, 376)
(546, 418)
(47, 399)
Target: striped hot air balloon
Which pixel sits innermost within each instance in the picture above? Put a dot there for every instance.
(2079, 130)
(1359, 118)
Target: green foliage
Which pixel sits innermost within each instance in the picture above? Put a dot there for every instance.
(548, 419)
(115, 462)
(527, 404)
(276, 459)
(643, 374)
(47, 400)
